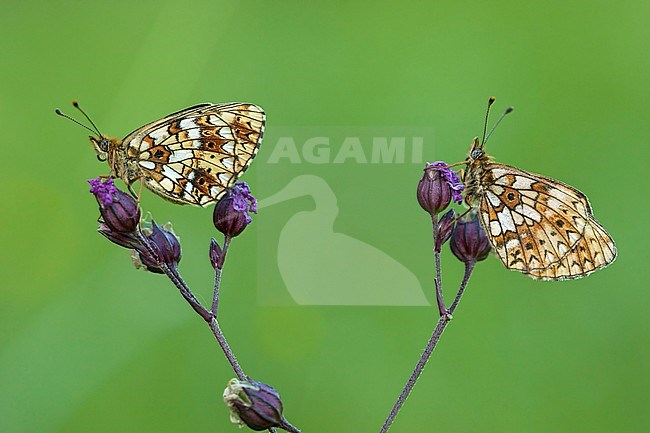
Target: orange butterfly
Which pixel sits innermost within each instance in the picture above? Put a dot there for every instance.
(188, 157)
(536, 225)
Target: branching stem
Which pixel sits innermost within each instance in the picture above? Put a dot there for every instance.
(443, 321)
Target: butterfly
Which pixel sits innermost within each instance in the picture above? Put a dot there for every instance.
(188, 157)
(537, 225)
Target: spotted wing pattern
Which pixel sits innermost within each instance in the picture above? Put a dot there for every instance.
(541, 227)
(192, 156)
(595, 250)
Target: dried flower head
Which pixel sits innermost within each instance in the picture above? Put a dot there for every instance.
(231, 213)
(468, 240)
(438, 187)
(254, 404)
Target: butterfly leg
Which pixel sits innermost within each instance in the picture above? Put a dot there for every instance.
(133, 193)
(456, 164)
(140, 190)
(462, 215)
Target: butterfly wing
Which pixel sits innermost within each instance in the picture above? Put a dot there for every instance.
(594, 251)
(534, 222)
(192, 156)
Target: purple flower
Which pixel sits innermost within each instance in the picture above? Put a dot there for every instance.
(103, 190)
(231, 213)
(120, 212)
(438, 186)
(452, 178)
(244, 200)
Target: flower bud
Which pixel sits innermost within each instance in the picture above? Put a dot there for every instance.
(469, 242)
(166, 246)
(254, 404)
(142, 259)
(445, 227)
(231, 212)
(126, 240)
(120, 212)
(216, 255)
(438, 186)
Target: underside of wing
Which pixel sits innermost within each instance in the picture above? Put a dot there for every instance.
(559, 194)
(532, 221)
(595, 250)
(194, 155)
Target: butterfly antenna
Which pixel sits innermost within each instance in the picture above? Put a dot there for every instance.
(76, 105)
(505, 113)
(487, 114)
(57, 111)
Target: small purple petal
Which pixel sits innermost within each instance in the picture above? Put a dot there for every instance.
(243, 191)
(456, 196)
(103, 190)
(239, 203)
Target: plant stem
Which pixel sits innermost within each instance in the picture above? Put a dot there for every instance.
(438, 280)
(469, 267)
(178, 281)
(185, 291)
(175, 277)
(217, 276)
(431, 345)
(208, 316)
(218, 334)
(286, 425)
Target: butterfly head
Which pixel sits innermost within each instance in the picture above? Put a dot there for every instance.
(101, 145)
(476, 151)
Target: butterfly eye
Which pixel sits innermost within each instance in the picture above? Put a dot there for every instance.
(476, 153)
(103, 144)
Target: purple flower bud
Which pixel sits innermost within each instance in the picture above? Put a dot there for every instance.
(166, 246)
(216, 255)
(445, 227)
(126, 240)
(469, 242)
(143, 259)
(438, 187)
(120, 212)
(231, 212)
(253, 403)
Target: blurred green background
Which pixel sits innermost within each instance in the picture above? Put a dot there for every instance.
(88, 343)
